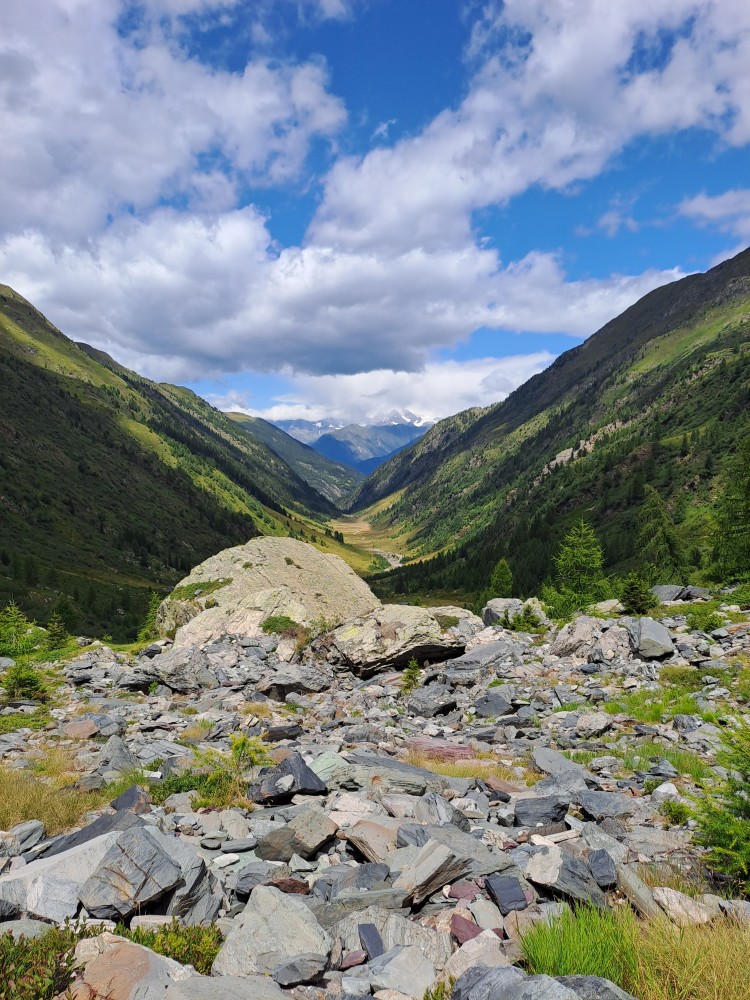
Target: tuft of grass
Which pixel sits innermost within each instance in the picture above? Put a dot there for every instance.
(196, 946)
(25, 796)
(22, 720)
(653, 960)
(260, 709)
(689, 881)
(189, 591)
(197, 730)
(653, 706)
(468, 768)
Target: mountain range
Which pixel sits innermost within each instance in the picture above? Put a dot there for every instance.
(363, 447)
(111, 484)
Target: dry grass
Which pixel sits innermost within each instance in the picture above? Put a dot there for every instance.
(197, 730)
(478, 767)
(260, 709)
(58, 764)
(652, 960)
(684, 878)
(25, 796)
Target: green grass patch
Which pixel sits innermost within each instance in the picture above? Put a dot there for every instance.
(189, 591)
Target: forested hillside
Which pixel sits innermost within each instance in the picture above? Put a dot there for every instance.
(659, 396)
(111, 484)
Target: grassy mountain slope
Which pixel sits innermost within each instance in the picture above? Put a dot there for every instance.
(659, 395)
(111, 484)
(330, 479)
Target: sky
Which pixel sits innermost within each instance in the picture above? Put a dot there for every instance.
(333, 208)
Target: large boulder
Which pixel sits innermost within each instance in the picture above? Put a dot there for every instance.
(389, 637)
(650, 639)
(234, 591)
(272, 928)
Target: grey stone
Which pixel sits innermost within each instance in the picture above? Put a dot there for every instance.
(21, 838)
(668, 592)
(388, 638)
(603, 868)
(594, 988)
(295, 678)
(649, 639)
(403, 968)
(541, 811)
(432, 700)
(225, 988)
(481, 983)
(435, 866)
(134, 871)
(48, 888)
(497, 608)
(510, 892)
(606, 805)
(289, 778)
(304, 834)
(300, 969)
(272, 929)
(25, 927)
(492, 705)
(394, 929)
(564, 874)
(371, 941)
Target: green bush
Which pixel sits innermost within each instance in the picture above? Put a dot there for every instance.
(18, 634)
(704, 619)
(723, 814)
(676, 813)
(42, 968)
(279, 625)
(149, 631)
(637, 597)
(22, 681)
(523, 621)
(57, 635)
(410, 678)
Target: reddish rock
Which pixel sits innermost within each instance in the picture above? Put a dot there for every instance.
(464, 890)
(353, 958)
(464, 930)
(80, 729)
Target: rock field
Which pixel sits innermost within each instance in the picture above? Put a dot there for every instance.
(361, 869)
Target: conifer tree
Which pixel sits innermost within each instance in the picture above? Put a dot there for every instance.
(657, 539)
(501, 581)
(579, 561)
(57, 634)
(732, 540)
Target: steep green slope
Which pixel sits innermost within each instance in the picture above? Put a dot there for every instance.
(331, 479)
(660, 395)
(111, 484)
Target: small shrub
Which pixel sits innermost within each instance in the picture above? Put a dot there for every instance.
(410, 678)
(440, 991)
(637, 597)
(57, 635)
(196, 946)
(279, 625)
(723, 815)
(447, 621)
(189, 591)
(149, 631)
(22, 681)
(523, 621)
(704, 620)
(676, 813)
(18, 634)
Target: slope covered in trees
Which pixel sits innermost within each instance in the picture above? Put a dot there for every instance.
(111, 484)
(637, 430)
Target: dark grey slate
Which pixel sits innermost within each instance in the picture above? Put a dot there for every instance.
(541, 811)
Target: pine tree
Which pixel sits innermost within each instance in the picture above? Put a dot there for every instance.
(501, 581)
(637, 597)
(657, 539)
(57, 635)
(579, 562)
(732, 539)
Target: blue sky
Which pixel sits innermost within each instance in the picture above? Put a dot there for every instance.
(308, 208)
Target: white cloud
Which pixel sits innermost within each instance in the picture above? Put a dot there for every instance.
(729, 212)
(98, 133)
(549, 113)
(179, 296)
(94, 126)
(438, 390)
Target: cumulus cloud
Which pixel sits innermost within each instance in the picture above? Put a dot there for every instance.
(95, 127)
(178, 296)
(438, 390)
(729, 212)
(126, 164)
(559, 90)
